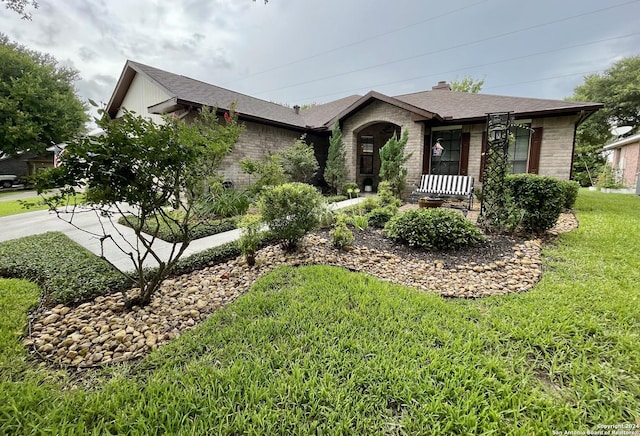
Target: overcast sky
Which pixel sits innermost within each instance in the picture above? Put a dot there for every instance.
(305, 51)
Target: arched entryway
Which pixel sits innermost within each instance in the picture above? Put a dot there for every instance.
(369, 140)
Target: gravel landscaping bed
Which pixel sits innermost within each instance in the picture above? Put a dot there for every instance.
(100, 332)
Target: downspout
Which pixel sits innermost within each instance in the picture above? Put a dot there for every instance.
(582, 117)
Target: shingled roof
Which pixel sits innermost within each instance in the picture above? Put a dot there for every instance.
(191, 92)
(439, 103)
(465, 106)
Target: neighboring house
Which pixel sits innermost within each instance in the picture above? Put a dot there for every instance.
(25, 164)
(626, 159)
(454, 119)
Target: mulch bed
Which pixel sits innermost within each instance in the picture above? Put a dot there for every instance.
(495, 247)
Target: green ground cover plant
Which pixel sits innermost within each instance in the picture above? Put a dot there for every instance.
(171, 232)
(319, 349)
(67, 272)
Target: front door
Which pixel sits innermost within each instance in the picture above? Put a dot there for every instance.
(370, 140)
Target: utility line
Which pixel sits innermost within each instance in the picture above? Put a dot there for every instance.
(470, 67)
(545, 78)
(351, 44)
(535, 26)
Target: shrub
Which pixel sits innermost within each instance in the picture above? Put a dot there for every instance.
(380, 216)
(250, 237)
(392, 161)
(570, 189)
(290, 210)
(369, 204)
(350, 189)
(269, 171)
(220, 202)
(342, 236)
(326, 216)
(385, 195)
(608, 178)
(66, 272)
(335, 198)
(539, 198)
(360, 222)
(439, 229)
(299, 162)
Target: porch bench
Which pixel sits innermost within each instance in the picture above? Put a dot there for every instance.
(445, 186)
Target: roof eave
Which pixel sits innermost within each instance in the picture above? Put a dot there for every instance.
(535, 114)
(622, 142)
(173, 104)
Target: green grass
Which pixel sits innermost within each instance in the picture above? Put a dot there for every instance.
(321, 350)
(13, 207)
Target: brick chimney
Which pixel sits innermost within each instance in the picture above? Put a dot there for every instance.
(442, 85)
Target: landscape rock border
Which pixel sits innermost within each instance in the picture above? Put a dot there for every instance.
(100, 332)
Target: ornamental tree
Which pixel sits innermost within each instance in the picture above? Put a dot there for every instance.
(392, 161)
(149, 174)
(335, 172)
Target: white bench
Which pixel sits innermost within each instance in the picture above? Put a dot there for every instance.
(445, 186)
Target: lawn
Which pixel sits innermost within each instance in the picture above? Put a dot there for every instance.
(13, 207)
(322, 350)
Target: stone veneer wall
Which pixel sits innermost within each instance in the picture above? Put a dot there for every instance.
(255, 142)
(378, 112)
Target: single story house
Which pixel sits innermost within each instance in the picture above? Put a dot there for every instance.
(456, 121)
(626, 159)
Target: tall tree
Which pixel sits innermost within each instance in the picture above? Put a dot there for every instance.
(619, 89)
(38, 103)
(468, 84)
(335, 172)
(136, 170)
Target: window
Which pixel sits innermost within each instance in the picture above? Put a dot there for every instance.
(449, 160)
(366, 154)
(519, 149)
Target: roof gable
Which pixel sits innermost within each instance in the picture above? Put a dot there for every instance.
(419, 114)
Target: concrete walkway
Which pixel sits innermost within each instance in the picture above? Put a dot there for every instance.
(86, 226)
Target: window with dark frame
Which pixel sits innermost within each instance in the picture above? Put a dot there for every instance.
(449, 161)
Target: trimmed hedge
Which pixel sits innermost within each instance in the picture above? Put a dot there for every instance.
(67, 272)
(539, 198)
(571, 189)
(439, 229)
